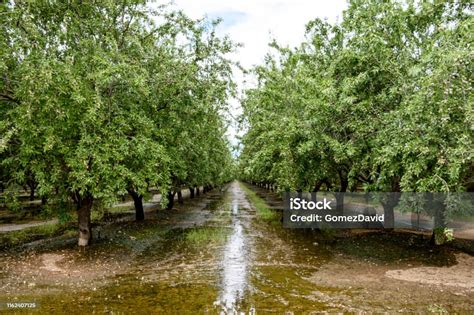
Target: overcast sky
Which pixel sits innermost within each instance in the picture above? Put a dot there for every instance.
(254, 23)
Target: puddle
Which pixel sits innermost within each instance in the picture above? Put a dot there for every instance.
(235, 266)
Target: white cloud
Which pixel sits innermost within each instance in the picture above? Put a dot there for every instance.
(255, 22)
(284, 20)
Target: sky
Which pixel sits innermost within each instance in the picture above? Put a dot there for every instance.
(254, 23)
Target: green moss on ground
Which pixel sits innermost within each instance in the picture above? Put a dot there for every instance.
(15, 238)
(262, 209)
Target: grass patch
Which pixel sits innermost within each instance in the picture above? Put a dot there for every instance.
(262, 209)
(120, 209)
(205, 235)
(327, 232)
(393, 246)
(100, 213)
(15, 238)
(151, 231)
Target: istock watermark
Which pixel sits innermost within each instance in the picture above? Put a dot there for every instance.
(378, 210)
(302, 204)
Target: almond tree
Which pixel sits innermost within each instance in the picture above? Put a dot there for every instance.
(89, 97)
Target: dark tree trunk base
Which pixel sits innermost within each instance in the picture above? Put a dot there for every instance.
(84, 220)
(170, 197)
(180, 197)
(138, 202)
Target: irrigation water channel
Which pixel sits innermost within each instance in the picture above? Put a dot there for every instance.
(214, 255)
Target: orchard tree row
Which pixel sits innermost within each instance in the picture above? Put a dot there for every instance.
(100, 99)
(382, 101)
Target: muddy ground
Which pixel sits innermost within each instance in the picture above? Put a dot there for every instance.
(215, 255)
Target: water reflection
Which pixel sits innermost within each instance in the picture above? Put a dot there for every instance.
(234, 277)
(235, 207)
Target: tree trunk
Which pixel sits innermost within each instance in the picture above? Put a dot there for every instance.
(388, 216)
(197, 190)
(316, 188)
(170, 197)
(32, 193)
(339, 203)
(340, 194)
(180, 197)
(440, 223)
(191, 192)
(138, 202)
(31, 183)
(393, 198)
(388, 206)
(440, 215)
(299, 193)
(84, 208)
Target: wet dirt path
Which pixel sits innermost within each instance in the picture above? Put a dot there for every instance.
(215, 255)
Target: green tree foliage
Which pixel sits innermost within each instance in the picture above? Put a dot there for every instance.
(381, 102)
(103, 98)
